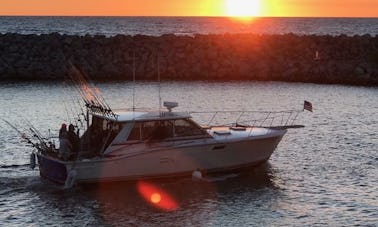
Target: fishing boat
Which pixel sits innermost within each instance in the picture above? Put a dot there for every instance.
(138, 145)
(134, 144)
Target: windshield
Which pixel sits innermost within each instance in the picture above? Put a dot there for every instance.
(159, 130)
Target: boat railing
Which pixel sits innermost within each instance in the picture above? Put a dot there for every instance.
(246, 118)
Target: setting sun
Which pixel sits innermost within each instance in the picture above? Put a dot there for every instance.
(243, 8)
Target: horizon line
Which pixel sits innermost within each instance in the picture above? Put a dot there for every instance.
(212, 16)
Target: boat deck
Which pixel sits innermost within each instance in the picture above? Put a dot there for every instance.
(234, 133)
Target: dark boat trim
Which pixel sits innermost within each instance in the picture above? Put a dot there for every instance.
(52, 170)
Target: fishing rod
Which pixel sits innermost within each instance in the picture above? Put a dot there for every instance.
(90, 102)
(76, 114)
(23, 135)
(96, 93)
(86, 85)
(65, 108)
(70, 94)
(101, 106)
(81, 86)
(77, 81)
(73, 107)
(36, 133)
(109, 110)
(82, 111)
(71, 89)
(90, 93)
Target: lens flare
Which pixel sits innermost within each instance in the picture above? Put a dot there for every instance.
(156, 196)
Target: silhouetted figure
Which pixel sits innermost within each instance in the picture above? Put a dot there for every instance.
(64, 143)
(74, 140)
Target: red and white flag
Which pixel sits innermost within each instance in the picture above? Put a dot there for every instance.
(307, 106)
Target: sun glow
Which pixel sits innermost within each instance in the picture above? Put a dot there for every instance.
(243, 8)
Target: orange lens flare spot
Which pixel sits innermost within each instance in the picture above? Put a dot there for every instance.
(156, 196)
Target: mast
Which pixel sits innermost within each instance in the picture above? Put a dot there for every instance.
(133, 80)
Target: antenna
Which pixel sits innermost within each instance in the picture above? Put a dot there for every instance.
(134, 80)
(158, 68)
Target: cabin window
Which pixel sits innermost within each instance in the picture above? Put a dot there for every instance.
(135, 133)
(166, 129)
(186, 128)
(160, 130)
(147, 129)
(157, 130)
(103, 125)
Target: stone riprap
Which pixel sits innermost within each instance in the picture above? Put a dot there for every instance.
(289, 57)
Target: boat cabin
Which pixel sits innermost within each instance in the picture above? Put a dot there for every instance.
(139, 127)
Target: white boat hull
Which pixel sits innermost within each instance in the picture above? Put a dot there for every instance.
(165, 160)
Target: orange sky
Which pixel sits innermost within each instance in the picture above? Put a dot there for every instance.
(295, 8)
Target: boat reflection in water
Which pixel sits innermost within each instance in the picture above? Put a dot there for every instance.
(128, 199)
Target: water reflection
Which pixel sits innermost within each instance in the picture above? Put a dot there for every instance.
(198, 202)
(324, 173)
(124, 203)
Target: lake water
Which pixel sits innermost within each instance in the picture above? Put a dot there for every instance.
(323, 174)
(155, 26)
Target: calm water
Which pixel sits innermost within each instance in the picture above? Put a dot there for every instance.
(111, 26)
(324, 174)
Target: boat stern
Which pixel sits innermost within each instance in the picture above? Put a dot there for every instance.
(52, 169)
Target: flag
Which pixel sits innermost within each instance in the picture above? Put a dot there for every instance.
(307, 106)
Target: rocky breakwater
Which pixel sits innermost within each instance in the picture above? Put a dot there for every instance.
(319, 59)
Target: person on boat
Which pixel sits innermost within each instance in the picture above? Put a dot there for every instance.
(74, 140)
(64, 143)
